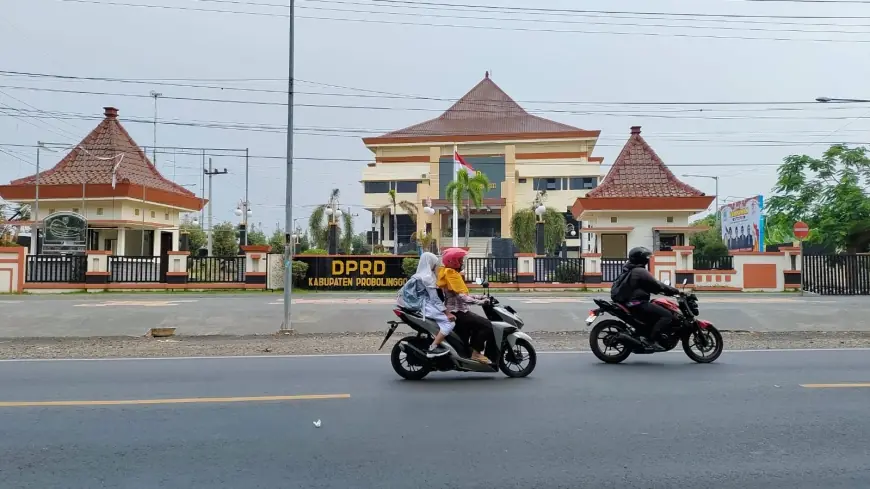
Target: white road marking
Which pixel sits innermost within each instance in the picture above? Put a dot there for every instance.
(2, 303)
(168, 303)
(341, 355)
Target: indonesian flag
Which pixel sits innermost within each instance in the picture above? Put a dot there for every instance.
(458, 159)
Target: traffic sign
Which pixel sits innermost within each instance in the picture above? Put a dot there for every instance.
(801, 230)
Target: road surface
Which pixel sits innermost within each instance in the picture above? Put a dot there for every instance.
(243, 314)
(655, 422)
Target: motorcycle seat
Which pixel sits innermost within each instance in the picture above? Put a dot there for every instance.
(411, 312)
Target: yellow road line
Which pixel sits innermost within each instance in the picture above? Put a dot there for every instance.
(190, 400)
(833, 386)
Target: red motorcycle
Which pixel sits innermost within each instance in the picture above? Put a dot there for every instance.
(614, 340)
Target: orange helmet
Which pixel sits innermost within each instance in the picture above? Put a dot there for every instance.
(452, 258)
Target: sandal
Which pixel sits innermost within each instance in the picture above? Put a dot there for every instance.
(481, 358)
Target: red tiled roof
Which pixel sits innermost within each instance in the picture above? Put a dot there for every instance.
(485, 110)
(639, 172)
(98, 153)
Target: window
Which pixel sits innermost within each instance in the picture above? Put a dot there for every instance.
(153, 214)
(522, 180)
(166, 216)
(583, 183)
(670, 218)
(613, 219)
(376, 187)
(99, 211)
(548, 184)
(136, 212)
(406, 187)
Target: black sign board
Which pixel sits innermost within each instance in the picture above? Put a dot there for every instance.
(65, 234)
(353, 272)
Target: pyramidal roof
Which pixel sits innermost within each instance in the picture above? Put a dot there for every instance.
(639, 172)
(486, 110)
(106, 151)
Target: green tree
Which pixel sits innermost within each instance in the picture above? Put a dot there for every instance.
(257, 237)
(196, 237)
(469, 189)
(523, 231)
(225, 239)
(276, 241)
(361, 246)
(392, 209)
(827, 193)
(708, 244)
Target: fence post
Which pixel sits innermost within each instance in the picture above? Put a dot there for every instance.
(256, 265)
(97, 267)
(12, 269)
(177, 270)
(591, 268)
(525, 268)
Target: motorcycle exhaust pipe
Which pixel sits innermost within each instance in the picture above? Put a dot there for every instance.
(629, 340)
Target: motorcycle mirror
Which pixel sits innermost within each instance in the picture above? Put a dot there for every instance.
(667, 282)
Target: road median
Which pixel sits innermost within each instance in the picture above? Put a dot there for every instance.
(362, 343)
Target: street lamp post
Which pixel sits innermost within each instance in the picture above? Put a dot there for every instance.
(286, 325)
(244, 211)
(716, 178)
(156, 95)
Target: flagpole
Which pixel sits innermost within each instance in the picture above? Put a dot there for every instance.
(455, 198)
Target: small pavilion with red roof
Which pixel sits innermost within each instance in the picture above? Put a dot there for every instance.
(639, 203)
(130, 208)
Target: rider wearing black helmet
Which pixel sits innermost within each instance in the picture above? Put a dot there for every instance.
(633, 289)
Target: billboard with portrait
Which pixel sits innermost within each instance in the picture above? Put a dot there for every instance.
(742, 226)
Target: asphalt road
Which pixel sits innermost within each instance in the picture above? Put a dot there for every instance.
(241, 314)
(655, 422)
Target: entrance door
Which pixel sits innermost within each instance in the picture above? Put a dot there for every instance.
(165, 248)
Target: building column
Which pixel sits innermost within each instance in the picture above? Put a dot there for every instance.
(508, 189)
(176, 240)
(155, 245)
(122, 241)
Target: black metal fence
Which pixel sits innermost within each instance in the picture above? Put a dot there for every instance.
(56, 269)
(211, 269)
(135, 269)
(559, 270)
(500, 270)
(841, 274)
(713, 263)
(611, 268)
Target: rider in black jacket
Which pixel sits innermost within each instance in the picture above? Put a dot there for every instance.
(635, 292)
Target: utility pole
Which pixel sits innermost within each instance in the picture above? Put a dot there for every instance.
(34, 233)
(247, 202)
(156, 95)
(287, 325)
(211, 172)
(202, 193)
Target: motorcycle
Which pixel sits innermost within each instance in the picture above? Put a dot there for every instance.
(621, 336)
(507, 348)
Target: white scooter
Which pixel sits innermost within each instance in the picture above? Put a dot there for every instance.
(509, 349)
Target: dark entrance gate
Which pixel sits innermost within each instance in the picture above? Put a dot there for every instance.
(841, 274)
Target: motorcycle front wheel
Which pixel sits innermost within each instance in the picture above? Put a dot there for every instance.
(707, 342)
(512, 360)
(407, 366)
(604, 335)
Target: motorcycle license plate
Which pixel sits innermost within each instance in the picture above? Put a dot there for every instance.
(591, 319)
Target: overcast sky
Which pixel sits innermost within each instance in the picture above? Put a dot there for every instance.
(594, 75)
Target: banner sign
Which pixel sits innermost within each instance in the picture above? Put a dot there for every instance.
(65, 234)
(742, 226)
(353, 272)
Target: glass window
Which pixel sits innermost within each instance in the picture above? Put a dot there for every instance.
(583, 183)
(548, 184)
(406, 187)
(376, 187)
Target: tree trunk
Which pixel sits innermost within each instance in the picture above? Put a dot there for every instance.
(467, 221)
(395, 232)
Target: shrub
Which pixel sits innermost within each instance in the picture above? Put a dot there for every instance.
(500, 277)
(409, 266)
(314, 251)
(299, 270)
(567, 274)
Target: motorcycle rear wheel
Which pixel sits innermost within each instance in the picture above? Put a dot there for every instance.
(404, 365)
(614, 327)
(714, 351)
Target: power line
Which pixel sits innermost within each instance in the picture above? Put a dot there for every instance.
(468, 26)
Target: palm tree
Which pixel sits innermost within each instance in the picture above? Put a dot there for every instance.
(468, 188)
(319, 230)
(392, 208)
